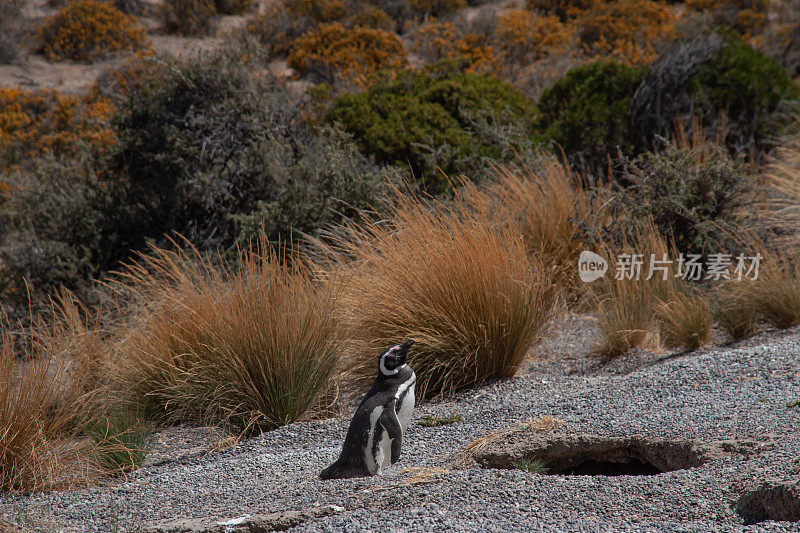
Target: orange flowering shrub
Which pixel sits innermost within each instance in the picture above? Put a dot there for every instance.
(335, 53)
(626, 30)
(748, 17)
(318, 10)
(34, 122)
(435, 8)
(85, 30)
(436, 41)
(522, 36)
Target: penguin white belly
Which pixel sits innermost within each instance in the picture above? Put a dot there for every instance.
(383, 453)
(406, 409)
(375, 431)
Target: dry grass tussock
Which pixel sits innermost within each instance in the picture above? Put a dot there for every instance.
(463, 288)
(780, 211)
(47, 393)
(256, 345)
(646, 313)
(548, 206)
(773, 297)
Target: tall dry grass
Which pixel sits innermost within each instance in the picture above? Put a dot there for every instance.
(47, 388)
(256, 345)
(636, 312)
(773, 297)
(779, 210)
(462, 287)
(685, 320)
(548, 206)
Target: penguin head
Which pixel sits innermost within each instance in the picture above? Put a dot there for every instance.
(393, 359)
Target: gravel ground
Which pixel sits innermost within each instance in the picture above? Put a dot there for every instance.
(742, 394)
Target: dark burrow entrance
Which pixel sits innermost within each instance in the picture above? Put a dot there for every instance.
(771, 501)
(592, 455)
(593, 467)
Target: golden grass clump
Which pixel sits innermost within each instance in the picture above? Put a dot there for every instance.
(86, 30)
(48, 390)
(735, 313)
(774, 296)
(636, 312)
(546, 204)
(462, 287)
(780, 208)
(256, 346)
(685, 320)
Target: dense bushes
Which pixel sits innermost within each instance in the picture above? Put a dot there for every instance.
(437, 41)
(753, 91)
(522, 36)
(735, 90)
(430, 123)
(188, 17)
(692, 195)
(331, 52)
(205, 149)
(85, 30)
(586, 112)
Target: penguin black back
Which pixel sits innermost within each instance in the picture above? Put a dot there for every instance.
(375, 435)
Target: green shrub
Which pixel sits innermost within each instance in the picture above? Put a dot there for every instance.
(692, 195)
(736, 92)
(188, 17)
(586, 112)
(431, 123)
(754, 92)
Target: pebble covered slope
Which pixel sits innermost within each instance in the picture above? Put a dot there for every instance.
(745, 393)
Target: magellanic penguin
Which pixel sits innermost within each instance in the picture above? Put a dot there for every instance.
(376, 432)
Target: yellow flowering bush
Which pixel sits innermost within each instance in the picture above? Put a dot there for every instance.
(436, 41)
(86, 30)
(522, 36)
(626, 30)
(748, 17)
(336, 53)
(35, 122)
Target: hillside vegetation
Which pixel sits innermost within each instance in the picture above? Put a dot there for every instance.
(232, 236)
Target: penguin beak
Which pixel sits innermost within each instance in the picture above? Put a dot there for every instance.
(404, 350)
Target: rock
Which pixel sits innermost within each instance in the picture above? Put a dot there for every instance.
(257, 523)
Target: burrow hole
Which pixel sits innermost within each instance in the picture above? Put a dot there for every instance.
(777, 502)
(600, 457)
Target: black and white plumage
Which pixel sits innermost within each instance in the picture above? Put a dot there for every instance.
(375, 436)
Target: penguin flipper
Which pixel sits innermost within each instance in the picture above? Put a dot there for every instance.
(393, 429)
